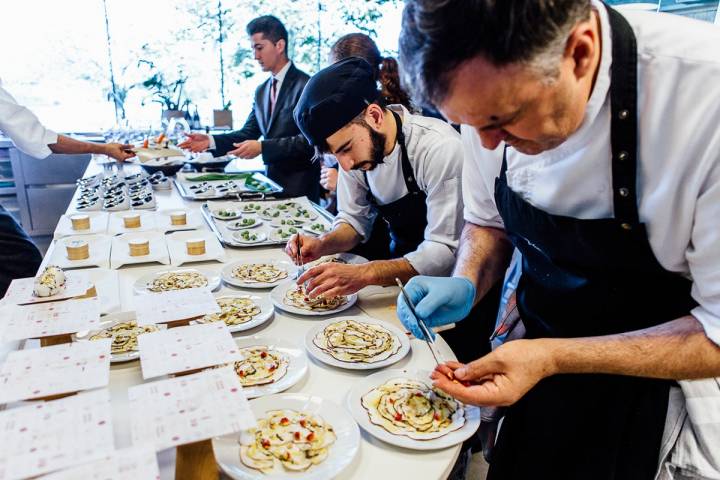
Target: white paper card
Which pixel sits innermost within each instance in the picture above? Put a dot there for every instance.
(188, 409)
(48, 319)
(135, 463)
(20, 291)
(186, 348)
(164, 307)
(49, 436)
(40, 372)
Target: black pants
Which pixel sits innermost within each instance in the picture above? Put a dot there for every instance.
(19, 257)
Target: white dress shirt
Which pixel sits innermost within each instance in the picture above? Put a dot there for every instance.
(679, 155)
(24, 128)
(436, 156)
(280, 77)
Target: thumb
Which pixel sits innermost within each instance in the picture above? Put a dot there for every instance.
(427, 306)
(478, 369)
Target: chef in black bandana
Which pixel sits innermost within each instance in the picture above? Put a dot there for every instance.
(401, 167)
(593, 148)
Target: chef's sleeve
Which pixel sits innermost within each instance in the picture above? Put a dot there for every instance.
(24, 128)
(439, 175)
(354, 207)
(481, 168)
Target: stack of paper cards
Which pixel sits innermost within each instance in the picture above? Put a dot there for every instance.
(186, 348)
(48, 319)
(41, 372)
(50, 436)
(188, 409)
(135, 463)
(166, 307)
(20, 291)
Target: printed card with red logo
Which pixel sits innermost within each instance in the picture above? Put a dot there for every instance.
(49, 319)
(66, 368)
(188, 409)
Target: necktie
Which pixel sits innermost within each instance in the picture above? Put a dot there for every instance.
(273, 95)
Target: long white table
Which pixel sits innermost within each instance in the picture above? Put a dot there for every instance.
(375, 459)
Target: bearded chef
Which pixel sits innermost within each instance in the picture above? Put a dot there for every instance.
(593, 147)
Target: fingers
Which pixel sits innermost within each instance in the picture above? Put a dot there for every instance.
(291, 248)
(478, 370)
(485, 394)
(408, 320)
(310, 274)
(428, 304)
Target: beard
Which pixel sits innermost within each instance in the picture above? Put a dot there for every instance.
(377, 149)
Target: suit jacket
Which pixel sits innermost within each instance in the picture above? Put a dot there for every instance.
(286, 153)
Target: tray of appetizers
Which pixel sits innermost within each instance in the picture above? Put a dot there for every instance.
(216, 186)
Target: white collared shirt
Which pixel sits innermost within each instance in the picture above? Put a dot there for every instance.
(679, 155)
(436, 156)
(24, 128)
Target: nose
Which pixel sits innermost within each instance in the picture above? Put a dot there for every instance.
(492, 138)
(257, 55)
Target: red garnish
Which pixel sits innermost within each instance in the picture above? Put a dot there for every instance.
(418, 394)
(263, 354)
(303, 422)
(436, 416)
(284, 421)
(306, 299)
(297, 435)
(398, 417)
(272, 367)
(311, 437)
(265, 443)
(392, 401)
(241, 373)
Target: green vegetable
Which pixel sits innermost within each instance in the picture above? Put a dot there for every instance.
(209, 177)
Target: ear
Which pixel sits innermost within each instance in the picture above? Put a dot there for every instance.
(374, 116)
(582, 46)
(280, 46)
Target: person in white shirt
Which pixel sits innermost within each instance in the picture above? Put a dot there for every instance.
(594, 149)
(402, 167)
(19, 257)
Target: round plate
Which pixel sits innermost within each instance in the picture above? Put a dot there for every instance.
(227, 277)
(276, 237)
(277, 295)
(277, 222)
(250, 207)
(297, 367)
(266, 311)
(140, 285)
(349, 258)
(364, 385)
(309, 229)
(261, 237)
(236, 215)
(311, 215)
(237, 224)
(268, 213)
(325, 357)
(107, 322)
(340, 455)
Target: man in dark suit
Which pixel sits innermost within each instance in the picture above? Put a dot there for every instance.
(286, 153)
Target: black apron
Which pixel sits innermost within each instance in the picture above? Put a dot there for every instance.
(19, 257)
(406, 217)
(587, 278)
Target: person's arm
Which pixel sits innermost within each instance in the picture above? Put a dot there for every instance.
(292, 150)
(223, 143)
(69, 145)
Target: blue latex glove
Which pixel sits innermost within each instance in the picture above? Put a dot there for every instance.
(438, 301)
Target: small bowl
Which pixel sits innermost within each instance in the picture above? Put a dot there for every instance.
(169, 170)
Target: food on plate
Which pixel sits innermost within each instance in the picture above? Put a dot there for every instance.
(271, 212)
(80, 222)
(124, 336)
(285, 233)
(139, 247)
(251, 207)
(357, 342)
(260, 366)
(50, 282)
(247, 236)
(317, 228)
(404, 406)
(233, 311)
(246, 222)
(177, 281)
(297, 297)
(195, 246)
(259, 272)
(296, 440)
(77, 249)
(225, 213)
(178, 218)
(290, 222)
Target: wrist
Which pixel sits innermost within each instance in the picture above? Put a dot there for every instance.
(551, 357)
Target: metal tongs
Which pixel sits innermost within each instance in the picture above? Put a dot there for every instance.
(429, 339)
(299, 260)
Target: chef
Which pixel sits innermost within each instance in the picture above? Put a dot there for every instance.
(19, 257)
(593, 147)
(402, 167)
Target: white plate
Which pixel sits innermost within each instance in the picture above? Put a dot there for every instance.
(120, 253)
(296, 370)
(324, 357)
(227, 277)
(268, 213)
(178, 248)
(349, 258)
(140, 285)
(116, 223)
(237, 225)
(246, 207)
(107, 322)
(275, 234)
(277, 222)
(164, 222)
(99, 249)
(261, 237)
(341, 453)
(277, 295)
(364, 385)
(214, 214)
(98, 224)
(266, 311)
(311, 214)
(309, 229)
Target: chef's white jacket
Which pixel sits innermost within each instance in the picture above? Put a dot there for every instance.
(24, 128)
(436, 156)
(679, 155)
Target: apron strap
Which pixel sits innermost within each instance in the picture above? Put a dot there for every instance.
(623, 124)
